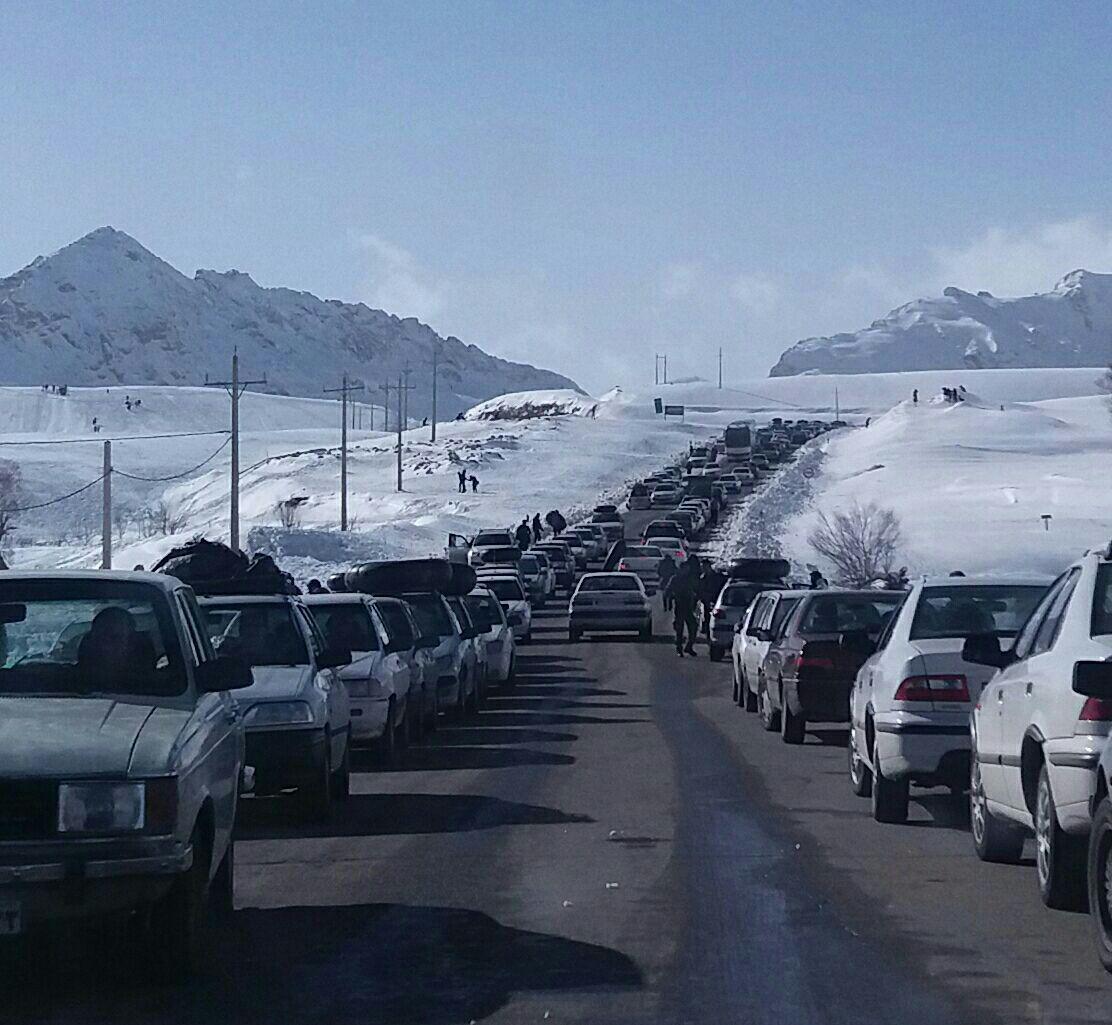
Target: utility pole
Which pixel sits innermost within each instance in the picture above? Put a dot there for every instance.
(344, 390)
(405, 401)
(720, 366)
(665, 358)
(235, 388)
(435, 362)
(385, 389)
(106, 511)
(837, 407)
(403, 393)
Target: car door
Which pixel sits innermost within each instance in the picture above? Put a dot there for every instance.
(997, 748)
(339, 705)
(754, 646)
(875, 682)
(1037, 677)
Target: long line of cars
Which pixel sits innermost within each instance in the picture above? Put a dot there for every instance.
(998, 688)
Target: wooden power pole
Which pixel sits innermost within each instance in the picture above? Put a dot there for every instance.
(344, 391)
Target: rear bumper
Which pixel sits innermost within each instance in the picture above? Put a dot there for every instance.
(1072, 764)
(284, 758)
(929, 750)
(606, 620)
(819, 700)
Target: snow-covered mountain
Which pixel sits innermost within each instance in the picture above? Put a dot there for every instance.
(104, 309)
(1070, 326)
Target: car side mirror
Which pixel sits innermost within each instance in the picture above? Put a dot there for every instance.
(333, 657)
(984, 650)
(225, 672)
(857, 642)
(1093, 679)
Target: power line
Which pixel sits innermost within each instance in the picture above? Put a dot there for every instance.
(61, 498)
(101, 441)
(177, 476)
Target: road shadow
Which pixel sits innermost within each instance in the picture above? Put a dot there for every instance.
(495, 718)
(480, 735)
(832, 736)
(379, 964)
(540, 701)
(396, 814)
(439, 758)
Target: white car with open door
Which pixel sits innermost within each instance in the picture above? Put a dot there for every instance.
(911, 699)
(752, 636)
(1039, 731)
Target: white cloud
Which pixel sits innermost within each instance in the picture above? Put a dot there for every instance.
(756, 293)
(394, 280)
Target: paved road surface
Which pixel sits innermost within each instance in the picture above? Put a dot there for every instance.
(612, 841)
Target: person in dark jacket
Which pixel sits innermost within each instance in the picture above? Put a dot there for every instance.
(538, 529)
(523, 535)
(666, 569)
(711, 583)
(683, 589)
(462, 475)
(555, 521)
(316, 587)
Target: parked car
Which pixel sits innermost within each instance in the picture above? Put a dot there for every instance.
(474, 649)
(664, 496)
(537, 580)
(122, 758)
(594, 540)
(610, 603)
(454, 655)
(662, 528)
(379, 677)
(577, 546)
(639, 497)
(510, 593)
(911, 699)
(676, 547)
(497, 635)
(490, 538)
(644, 560)
(297, 713)
(729, 608)
(1096, 681)
(761, 624)
(810, 668)
(1038, 733)
(562, 561)
(547, 568)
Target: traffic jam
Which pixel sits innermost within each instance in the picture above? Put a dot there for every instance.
(153, 704)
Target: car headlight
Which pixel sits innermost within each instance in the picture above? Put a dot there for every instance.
(101, 807)
(275, 713)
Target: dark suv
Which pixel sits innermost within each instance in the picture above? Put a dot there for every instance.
(809, 670)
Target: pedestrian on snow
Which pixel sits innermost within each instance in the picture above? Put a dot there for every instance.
(665, 570)
(462, 474)
(425, 422)
(818, 581)
(711, 583)
(915, 396)
(316, 587)
(683, 590)
(138, 568)
(523, 535)
(538, 530)
(127, 402)
(137, 403)
(868, 420)
(474, 483)
(555, 521)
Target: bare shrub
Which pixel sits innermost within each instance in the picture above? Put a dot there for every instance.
(860, 542)
(160, 519)
(11, 484)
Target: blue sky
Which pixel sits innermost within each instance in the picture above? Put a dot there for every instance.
(574, 184)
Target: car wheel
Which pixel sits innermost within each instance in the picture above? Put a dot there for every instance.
(993, 840)
(737, 687)
(716, 653)
(646, 633)
(223, 889)
(890, 796)
(179, 922)
(511, 675)
(1100, 881)
(748, 695)
(770, 718)
(471, 705)
(317, 795)
(415, 720)
(574, 635)
(433, 711)
(793, 727)
(1059, 857)
(341, 778)
(528, 638)
(860, 775)
(388, 742)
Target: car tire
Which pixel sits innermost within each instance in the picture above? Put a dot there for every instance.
(748, 695)
(716, 653)
(793, 728)
(471, 705)
(178, 926)
(860, 775)
(388, 742)
(511, 675)
(223, 889)
(416, 722)
(341, 778)
(528, 638)
(1100, 881)
(646, 633)
(1060, 859)
(770, 718)
(432, 713)
(890, 796)
(574, 636)
(737, 687)
(993, 840)
(317, 795)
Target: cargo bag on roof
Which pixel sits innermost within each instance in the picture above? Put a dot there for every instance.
(768, 571)
(213, 568)
(399, 577)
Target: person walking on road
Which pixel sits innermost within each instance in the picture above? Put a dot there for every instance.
(665, 570)
(538, 528)
(683, 589)
(523, 535)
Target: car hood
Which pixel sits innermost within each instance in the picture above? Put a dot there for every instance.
(52, 737)
(274, 683)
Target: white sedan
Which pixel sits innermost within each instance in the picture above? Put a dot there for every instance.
(610, 603)
(911, 699)
(511, 593)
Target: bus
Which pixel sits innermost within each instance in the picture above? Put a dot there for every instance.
(739, 442)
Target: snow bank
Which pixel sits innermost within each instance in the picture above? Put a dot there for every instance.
(531, 405)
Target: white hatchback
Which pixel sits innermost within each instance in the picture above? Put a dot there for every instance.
(910, 703)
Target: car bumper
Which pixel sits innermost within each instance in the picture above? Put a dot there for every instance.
(368, 718)
(928, 749)
(45, 883)
(606, 620)
(1072, 766)
(722, 636)
(819, 700)
(284, 758)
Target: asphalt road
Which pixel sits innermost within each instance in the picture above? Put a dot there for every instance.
(611, 841)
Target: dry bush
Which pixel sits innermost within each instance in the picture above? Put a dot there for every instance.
(860, 542)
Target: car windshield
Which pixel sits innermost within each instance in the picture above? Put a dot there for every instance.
(397, 623)
(262, 635)
(528, 564)
(494, 538)
(963, 611)
(506, 589)
(87, 638)
(611, 582)
(346, 626)
(431, 614)
(844, 613)
(484, 609)
(644, 552)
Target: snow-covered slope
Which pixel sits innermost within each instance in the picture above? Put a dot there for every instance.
(1070, 326)
(971, 482)
(104, 309)
(530, 405)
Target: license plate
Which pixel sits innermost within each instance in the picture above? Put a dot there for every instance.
(11, 918)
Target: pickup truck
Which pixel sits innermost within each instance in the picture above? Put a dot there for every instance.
(121, 759)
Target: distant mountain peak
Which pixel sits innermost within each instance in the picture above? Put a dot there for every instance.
(1070, 326)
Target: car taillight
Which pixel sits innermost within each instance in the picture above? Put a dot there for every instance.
(801, 662)
(933, 688)
(623, 567)
(1096, 710)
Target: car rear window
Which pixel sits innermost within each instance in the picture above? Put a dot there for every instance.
(1102, 602)
(494, 538)
(963, 611)
(644, 552)
(431, 615)
(484, 608)
(529, 564)
(397, 623)
(262, 635)
(842, 613)
(739, 595)
(346, 626)
(616, 582)
(506, 589)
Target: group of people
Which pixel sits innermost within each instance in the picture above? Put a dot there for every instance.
(685, 588)
(56, 389)
(528, 534)
(954, 394)
(464, 480)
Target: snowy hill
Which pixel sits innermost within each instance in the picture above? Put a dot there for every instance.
(104, 309)
(531, 405)
(1070, 326)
